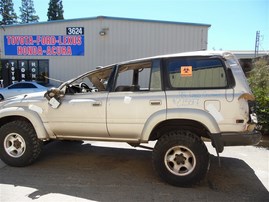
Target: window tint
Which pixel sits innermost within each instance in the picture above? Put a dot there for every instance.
(22, 85)
(196, 73)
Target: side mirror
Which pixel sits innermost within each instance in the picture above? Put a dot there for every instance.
(54, 96)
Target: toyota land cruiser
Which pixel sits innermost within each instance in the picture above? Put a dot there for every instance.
(176, 100)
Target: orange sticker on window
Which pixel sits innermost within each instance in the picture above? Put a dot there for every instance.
(186, 71)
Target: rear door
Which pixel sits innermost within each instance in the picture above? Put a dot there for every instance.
(137, 96)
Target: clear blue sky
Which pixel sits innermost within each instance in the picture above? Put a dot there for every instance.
(233, 22)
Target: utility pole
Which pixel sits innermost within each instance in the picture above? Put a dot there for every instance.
(257, 44)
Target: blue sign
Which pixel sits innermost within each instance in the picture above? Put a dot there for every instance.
(44, 45)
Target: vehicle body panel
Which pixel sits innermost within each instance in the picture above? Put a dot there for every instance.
(100, 112)
(79, 115)
(127, 112)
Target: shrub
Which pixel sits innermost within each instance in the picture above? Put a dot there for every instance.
(259, 83)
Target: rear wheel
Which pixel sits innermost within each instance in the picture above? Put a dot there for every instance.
(19, 143)
(180, 158)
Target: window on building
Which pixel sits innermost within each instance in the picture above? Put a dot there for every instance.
(25, 70)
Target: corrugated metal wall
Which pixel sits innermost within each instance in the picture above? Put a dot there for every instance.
(124, 40)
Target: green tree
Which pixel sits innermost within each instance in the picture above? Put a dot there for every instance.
(55, 10)
(27, 12)
(259, 83)
(7, 12)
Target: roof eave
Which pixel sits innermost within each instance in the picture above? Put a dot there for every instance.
(108, 18)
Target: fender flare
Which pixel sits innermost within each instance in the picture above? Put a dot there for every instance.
(32, 116)
(197, 115)
(150, 124)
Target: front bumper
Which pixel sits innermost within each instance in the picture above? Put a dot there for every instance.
(235, 139)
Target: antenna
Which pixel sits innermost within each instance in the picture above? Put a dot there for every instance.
(257, 44)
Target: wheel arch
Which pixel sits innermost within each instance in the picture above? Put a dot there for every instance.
(200, 129)
(194, 119)
(15, 113)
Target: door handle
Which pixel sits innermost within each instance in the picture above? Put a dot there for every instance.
(97, 103)
(155, 102)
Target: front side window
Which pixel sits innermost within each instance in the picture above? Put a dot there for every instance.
(196, 73)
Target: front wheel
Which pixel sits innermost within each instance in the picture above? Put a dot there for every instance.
(180, 158)
(19, 143)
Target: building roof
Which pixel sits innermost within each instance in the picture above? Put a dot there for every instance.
(249, 54)
(109, 18)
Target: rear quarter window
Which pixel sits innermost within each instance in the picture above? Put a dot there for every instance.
(195, 73)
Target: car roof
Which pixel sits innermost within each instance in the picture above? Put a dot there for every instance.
(183, 54)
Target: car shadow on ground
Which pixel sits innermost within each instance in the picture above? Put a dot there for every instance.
(117, 174)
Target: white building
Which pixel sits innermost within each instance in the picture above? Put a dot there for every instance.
(66, 48)
(246, 58)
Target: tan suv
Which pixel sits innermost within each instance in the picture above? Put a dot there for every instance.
(174, 99)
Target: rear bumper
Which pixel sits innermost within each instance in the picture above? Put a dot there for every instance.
(235, 139)
(241, 139)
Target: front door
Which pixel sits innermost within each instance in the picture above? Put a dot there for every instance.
(81, 114)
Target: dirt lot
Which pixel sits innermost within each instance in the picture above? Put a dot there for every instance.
(89, 171)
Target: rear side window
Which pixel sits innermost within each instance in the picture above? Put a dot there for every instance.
(134, 77)
(196, 73)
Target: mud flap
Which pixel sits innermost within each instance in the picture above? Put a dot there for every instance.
(217, 144)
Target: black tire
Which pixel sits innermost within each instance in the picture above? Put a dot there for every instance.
(1, 97)
(180, 158)
(19, 143)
